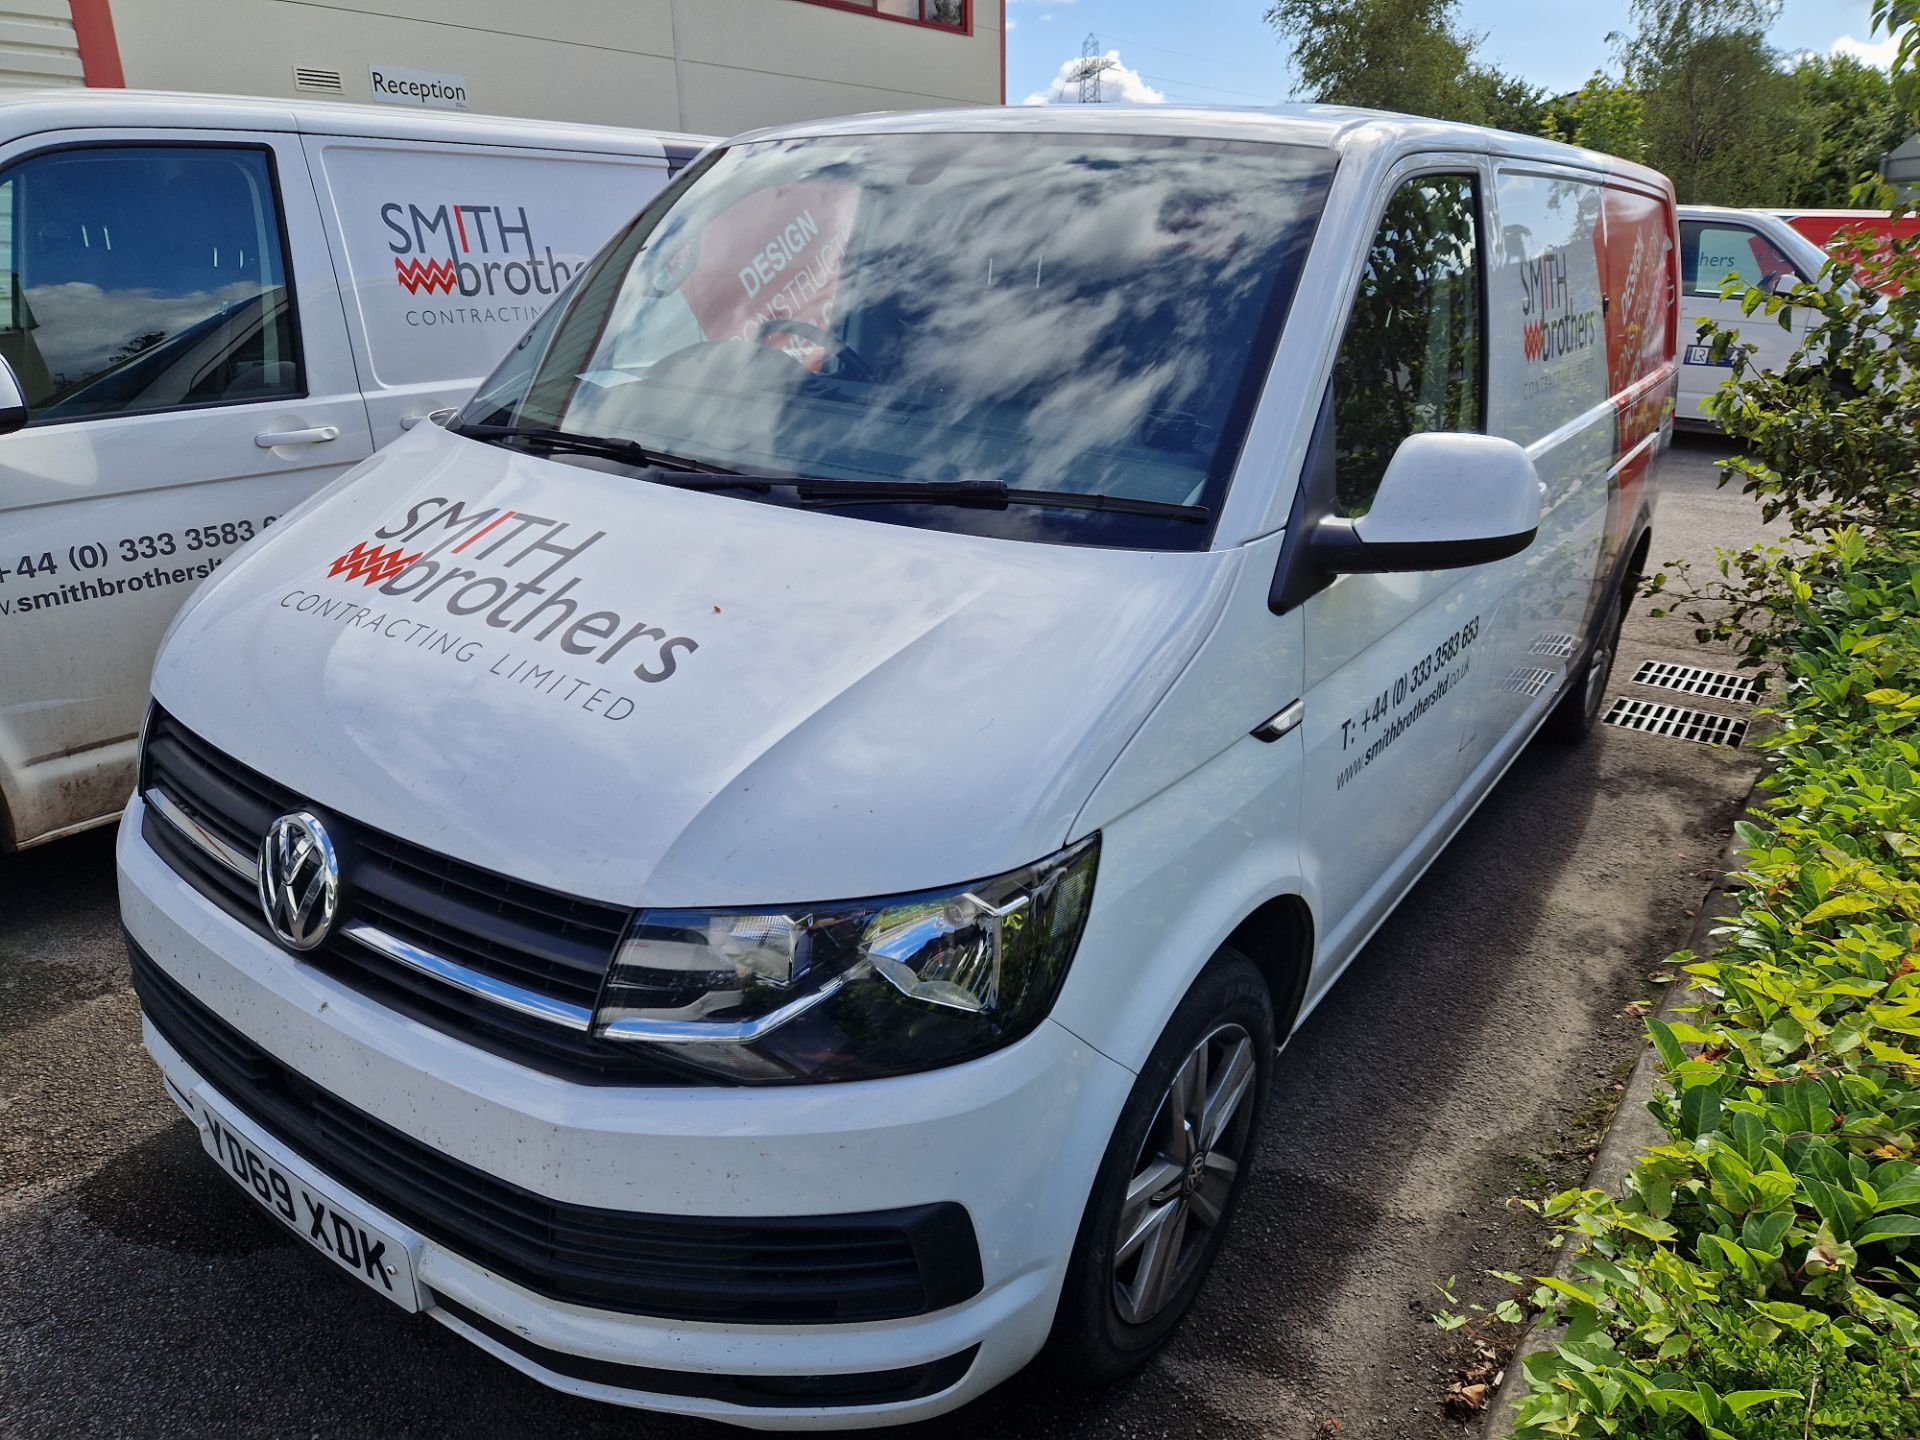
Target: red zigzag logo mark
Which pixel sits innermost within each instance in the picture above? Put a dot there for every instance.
(428, 275)
(371, 564)
(1533, 340)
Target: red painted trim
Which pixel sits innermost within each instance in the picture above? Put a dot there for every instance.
(871, 10)
(99, 50)
(1003, 52)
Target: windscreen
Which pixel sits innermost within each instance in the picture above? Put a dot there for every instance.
(1057, 313)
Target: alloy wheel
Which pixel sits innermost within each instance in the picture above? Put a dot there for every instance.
(1185, 1173)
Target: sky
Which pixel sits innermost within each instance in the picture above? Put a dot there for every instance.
(1221, 52)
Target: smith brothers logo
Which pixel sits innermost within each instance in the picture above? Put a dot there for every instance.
(1551, 328)
(499, 577)
(470, 250)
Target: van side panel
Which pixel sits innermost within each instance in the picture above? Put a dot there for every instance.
(1550, 395)
(455, 250)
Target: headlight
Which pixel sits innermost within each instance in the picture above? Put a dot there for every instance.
(852, 989)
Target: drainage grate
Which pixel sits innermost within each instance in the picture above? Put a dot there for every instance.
(1527, 681)
(1678, 723)
(1690, 679)
(1558, 647)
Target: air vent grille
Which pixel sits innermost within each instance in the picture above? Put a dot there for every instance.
(1678, 723)
(328, 81)
(1527, 680)
(1558, 647)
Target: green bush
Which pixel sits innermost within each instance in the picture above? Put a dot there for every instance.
(1761, 1275)
(1759, 1279)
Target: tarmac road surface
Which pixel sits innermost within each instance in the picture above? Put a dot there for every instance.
(1465, 1058)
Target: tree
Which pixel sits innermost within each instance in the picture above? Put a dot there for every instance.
(1719, 114)
(1506, 102)
(1604, 114)
(1406, 55)
(1856, 120)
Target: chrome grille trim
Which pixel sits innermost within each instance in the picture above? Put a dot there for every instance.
(484, 987)
(247, 866)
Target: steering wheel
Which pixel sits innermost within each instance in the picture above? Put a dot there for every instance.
(846, 360)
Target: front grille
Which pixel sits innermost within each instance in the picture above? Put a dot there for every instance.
(538, 940)
(806, 1270)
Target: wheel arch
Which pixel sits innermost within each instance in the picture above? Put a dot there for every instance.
(1278, 938)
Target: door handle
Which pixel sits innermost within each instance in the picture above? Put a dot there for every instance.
(315, 435)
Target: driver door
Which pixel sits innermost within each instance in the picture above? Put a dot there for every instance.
(187, 381)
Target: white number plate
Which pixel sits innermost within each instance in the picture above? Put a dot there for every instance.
(308, 1207)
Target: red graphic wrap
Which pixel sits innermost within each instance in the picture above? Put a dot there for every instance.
(1638, 275)
(1857, 238)
(428, 275)
(372, 564)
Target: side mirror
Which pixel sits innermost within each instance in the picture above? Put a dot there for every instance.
(13, 400)
(1446, 501)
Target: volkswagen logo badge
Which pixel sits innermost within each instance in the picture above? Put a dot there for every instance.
(299, 880)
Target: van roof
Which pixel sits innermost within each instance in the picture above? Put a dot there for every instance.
(30, 112)
(1333, 127)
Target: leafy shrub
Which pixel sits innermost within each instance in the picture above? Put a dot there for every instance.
(1759, 1279)
(1761, 1275)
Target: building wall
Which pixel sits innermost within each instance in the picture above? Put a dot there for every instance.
(38, 46)
(710, 66)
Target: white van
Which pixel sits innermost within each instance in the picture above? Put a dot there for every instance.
(761, 871)
(1718, 244)
(212, 307)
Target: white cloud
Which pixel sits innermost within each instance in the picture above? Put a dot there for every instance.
(1874, 52)
(1118, 84)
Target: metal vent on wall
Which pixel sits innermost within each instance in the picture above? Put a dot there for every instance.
(327, 80)
(1691, 680)
(1678, 723)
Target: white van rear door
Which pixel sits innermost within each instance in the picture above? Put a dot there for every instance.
(450, 252)
(173, 320)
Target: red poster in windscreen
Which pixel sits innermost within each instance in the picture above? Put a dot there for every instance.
(770, 259)
(1637, 276)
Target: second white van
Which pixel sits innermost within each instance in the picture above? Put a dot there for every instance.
(212, 307)
(1752, 247)
(760, 871)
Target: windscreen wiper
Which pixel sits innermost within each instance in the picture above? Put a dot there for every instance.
(1118, 504)
(993, 493)
(684, 473)
(631, 451)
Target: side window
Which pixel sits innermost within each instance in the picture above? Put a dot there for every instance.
(145, 278)
(1410, 360)
(1711, 253)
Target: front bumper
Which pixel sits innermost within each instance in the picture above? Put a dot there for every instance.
(1015, 1138)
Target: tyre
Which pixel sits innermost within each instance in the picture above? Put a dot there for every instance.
(1578, 711)
(1171, 1178)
